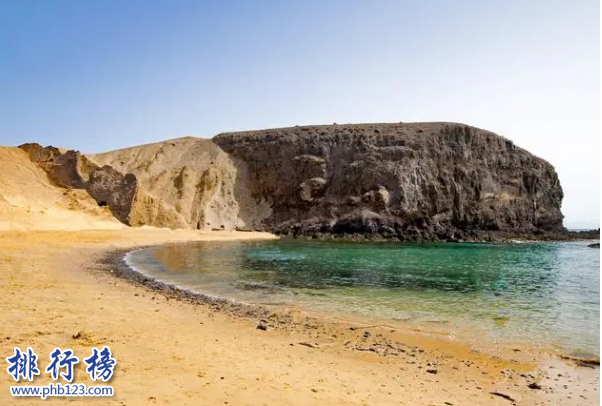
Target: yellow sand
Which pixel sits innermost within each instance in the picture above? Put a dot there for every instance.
(172, 352)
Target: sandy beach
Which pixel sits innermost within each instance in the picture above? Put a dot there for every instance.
(300, 203)
(58, 289)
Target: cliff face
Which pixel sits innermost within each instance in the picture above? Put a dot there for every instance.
(420, 180)
(193, 178)
(121, 193)
(403, 181)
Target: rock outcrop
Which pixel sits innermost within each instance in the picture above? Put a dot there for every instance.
(31, 200)
(191, 177)
(402, 181)
(120, 192)
(407, 181)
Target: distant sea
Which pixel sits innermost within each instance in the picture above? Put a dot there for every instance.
(545, 294)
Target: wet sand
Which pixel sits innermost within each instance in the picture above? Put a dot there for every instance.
(70, 289)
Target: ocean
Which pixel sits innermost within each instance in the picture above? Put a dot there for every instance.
(544, 294)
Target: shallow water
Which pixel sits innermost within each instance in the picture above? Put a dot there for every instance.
(542, 293)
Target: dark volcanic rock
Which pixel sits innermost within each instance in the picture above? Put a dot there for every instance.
(111, 188)
(406, 181)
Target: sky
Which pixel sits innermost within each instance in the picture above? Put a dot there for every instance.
(97, 75)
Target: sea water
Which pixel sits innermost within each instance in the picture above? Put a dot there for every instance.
(544, 293)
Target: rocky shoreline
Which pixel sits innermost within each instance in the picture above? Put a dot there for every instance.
(393, 231)
(115, 261)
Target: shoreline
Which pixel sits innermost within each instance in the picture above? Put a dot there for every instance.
(462, 334)
(117, 260)
(345, 353)
(259, 312)
(547, 356)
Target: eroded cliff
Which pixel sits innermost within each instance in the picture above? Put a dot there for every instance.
(403, 181)
(192, 177)
(417, 180)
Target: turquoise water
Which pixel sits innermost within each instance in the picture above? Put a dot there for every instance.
(540, 293)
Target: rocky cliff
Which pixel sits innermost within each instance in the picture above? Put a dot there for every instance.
(192, 177)
(408, 181)
(402, 181)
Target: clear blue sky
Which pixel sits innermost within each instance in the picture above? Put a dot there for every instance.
(95, 75)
